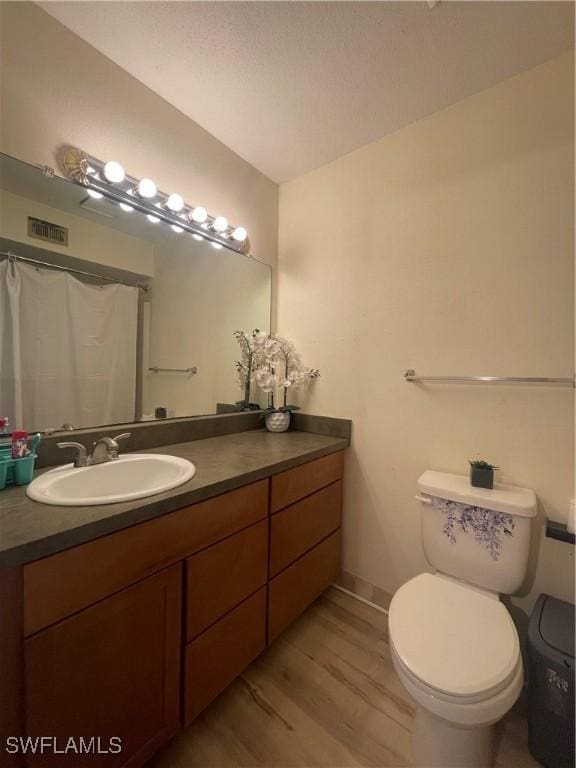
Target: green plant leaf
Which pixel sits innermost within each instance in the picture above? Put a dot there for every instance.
(481, 464)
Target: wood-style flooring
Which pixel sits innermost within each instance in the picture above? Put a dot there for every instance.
(324, 694)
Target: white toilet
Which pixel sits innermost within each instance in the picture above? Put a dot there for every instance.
(453, 643)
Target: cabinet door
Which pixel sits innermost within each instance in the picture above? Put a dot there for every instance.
(111, 670)
(217, 656)
(294, 589)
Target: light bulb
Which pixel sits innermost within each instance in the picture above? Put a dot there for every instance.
(176, 228)
(199, 214)
(240, 234)
(217, 246)
(147, 188)
(114, 172)
(175, 202)
(220, 224)
(94, 194)
(153, 219)
(126, 207)
(197, 237)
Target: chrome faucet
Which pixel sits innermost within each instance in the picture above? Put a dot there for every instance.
(103, 450)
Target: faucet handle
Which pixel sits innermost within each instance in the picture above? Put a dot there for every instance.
(80, 460)
(123, 436)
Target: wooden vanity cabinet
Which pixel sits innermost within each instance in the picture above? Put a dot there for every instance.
(135, 633)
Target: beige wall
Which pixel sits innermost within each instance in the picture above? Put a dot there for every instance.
(446, 247)
(86, 239)
(57, 90)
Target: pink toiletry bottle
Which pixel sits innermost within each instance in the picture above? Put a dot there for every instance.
(19, 444)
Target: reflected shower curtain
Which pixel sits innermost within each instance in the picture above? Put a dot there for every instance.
(67, 349)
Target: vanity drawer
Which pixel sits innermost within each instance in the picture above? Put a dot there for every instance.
(220, 654)
(297, 528)
(220, 577)
(295, 588)
(62, 584)
(294, 484)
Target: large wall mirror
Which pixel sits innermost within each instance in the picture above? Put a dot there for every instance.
(107, 317)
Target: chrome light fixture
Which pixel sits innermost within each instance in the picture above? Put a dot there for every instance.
(110, 180)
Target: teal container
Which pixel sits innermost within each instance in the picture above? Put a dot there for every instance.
(23, 469)
(17, 471)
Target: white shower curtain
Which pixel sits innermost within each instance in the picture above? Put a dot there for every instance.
(67, 349)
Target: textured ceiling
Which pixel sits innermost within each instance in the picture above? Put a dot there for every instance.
(290, 86)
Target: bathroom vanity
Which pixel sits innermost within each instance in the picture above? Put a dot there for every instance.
(133, 633)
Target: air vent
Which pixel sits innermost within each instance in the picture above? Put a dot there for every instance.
(45, 230)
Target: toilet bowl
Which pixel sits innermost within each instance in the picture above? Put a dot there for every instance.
(456, 651)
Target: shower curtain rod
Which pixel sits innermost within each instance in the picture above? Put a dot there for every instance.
(14, 257)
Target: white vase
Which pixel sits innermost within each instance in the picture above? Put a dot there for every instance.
(278, 422)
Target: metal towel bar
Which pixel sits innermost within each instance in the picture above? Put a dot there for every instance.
(569, 381)
(189, 371)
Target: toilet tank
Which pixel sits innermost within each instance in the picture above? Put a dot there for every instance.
(478, 535)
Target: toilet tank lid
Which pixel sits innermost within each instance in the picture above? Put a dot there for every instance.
(502, 498)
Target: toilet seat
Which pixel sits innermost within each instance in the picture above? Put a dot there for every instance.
(429, 691)
(456, 643)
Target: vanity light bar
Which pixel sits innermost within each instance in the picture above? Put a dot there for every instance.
(109, 179)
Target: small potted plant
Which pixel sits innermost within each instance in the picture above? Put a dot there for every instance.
(482, 474)
(280, 369)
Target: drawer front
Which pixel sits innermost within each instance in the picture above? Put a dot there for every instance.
(220, 654)
(297, 528)
(295, 588)
(62, 584)
(220, 577)
(295, 484)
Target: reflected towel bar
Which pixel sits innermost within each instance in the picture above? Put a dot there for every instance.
(569, 381)
(189, 371)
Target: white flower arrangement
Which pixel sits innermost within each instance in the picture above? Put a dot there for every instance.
(272, 363)
(279, 370)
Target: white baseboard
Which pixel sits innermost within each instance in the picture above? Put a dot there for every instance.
(361, 599)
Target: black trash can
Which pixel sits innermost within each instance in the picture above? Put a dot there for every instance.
(551, 683)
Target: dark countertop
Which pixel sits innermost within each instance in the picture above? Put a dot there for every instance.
(29, 530)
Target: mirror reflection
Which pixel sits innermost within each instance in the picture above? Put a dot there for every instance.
(107, 317)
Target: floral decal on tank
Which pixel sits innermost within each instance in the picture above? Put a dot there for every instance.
(488, 527)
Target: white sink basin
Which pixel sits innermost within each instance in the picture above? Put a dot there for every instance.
(133, 476)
